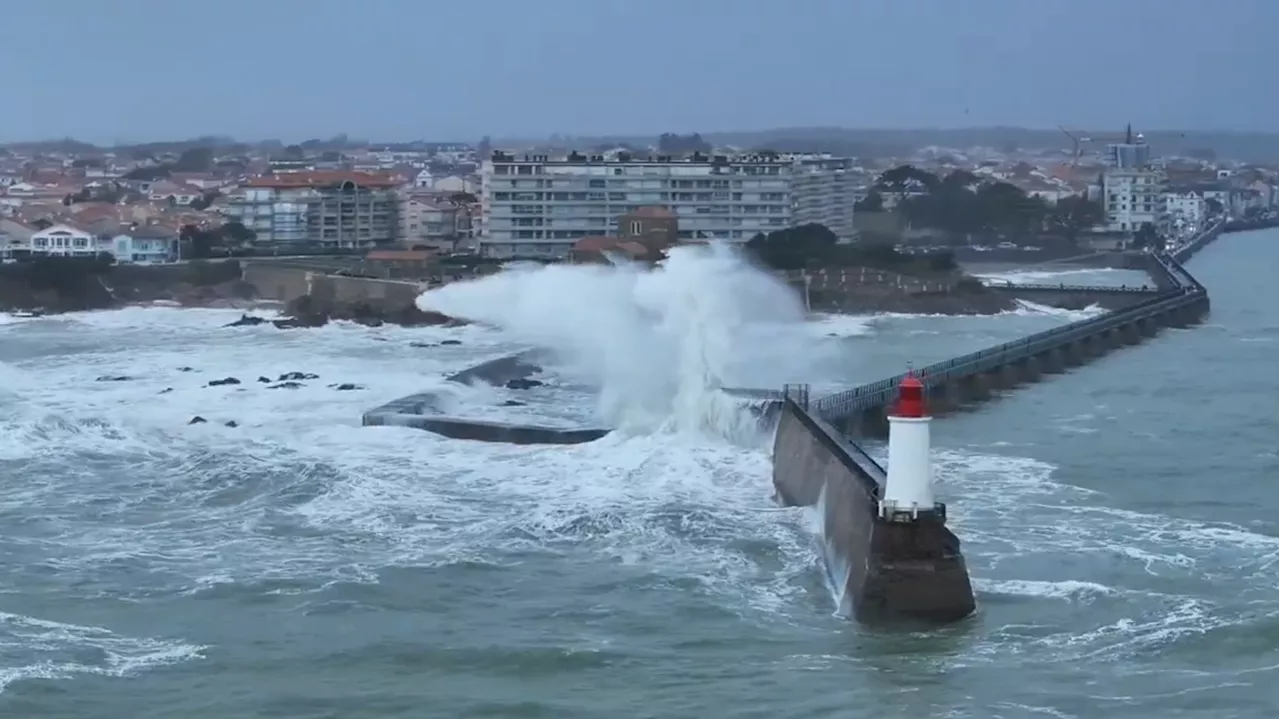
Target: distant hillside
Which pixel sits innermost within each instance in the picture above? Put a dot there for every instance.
(1246, 146)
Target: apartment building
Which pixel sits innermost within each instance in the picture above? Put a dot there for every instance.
(1132, 198)
(824, 190)
(433, 221)
(326, 208)
(538, 206)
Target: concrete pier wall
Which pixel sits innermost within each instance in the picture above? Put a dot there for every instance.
(956, 383)
(885, 571)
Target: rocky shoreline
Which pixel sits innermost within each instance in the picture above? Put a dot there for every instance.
(58, 286)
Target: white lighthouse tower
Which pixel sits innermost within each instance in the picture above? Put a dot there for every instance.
(908, 489)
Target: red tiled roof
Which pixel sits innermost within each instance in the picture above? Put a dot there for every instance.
(597, 243)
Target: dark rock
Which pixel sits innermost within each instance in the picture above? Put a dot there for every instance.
(197, 420)
(296, 376)
(264, 380)
(313, 311)
(290, 323)
(185, 369)
(114, 378)
(166, 390)
(231, 423)
(286, 385)
(247, 321)
(522, 384)
(512, 403)
(346, 387)
(451, 342)
(223, 381)
(421, 344)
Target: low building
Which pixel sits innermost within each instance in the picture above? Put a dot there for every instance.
(68, 241)
(400, 264)
(146, 246)
(597, 249)
(429, 222)
(15, 239)
(654, 227)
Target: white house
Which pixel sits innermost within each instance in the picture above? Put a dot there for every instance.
(145, 246)
(67, 241)
(1185, 209)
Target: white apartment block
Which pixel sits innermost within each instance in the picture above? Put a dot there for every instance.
(536, 205)
(1132, 197)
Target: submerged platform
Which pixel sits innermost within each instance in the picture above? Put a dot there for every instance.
(423, 410)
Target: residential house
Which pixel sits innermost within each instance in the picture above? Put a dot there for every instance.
(147, 245)
(1185, 210)
(15, 239)
(64, 240)
(174, 193)
(428, 223)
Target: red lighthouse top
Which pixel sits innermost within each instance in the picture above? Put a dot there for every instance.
(910, 398)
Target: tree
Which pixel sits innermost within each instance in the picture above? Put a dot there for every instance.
(463, 198)
(1075, 214)
(795, 247)
(1146, 236)
(238, 233)
(204, 200)
(195, 159)
(873, 202)
(1213, 206)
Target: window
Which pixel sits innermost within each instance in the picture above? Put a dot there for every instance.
(636, 227)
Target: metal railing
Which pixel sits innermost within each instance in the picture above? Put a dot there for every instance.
(1138, 290)
(1188, 290)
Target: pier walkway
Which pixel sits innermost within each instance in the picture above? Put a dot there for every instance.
(977, 376)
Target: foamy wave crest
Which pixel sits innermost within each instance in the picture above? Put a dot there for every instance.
(658, 343)
(1025, 307)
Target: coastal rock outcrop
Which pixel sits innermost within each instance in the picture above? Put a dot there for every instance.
(52, 285)
(312, 311)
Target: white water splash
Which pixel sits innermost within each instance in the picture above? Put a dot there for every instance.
(659, 344)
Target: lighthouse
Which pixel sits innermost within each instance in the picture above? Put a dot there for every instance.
(908, 488)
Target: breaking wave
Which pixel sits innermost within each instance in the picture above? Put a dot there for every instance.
(658, 343)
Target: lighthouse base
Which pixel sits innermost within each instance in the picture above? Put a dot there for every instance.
(914, 571)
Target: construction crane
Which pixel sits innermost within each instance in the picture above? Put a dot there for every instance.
(1075, 145)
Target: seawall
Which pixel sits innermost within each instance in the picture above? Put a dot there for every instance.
(883, 571)
(1077, 297)
(979, 376)
(423, 410)
(911, 567)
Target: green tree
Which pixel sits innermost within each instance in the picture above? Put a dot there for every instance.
(238, 233)
(873, 202)
(1075, 214)
(795, 247)
(1146, 236)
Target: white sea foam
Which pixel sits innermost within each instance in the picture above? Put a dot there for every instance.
(1092, 277)
(207, 505)
(659, 344)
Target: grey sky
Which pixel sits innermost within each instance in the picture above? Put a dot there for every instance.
(132, 70)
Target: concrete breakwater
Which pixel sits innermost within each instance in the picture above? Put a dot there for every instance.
(881, 570)
(425, 411)
(915, 569)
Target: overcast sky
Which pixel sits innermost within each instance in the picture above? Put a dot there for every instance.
(131, 70)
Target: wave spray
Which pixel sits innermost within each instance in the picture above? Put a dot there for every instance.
(658, 342)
